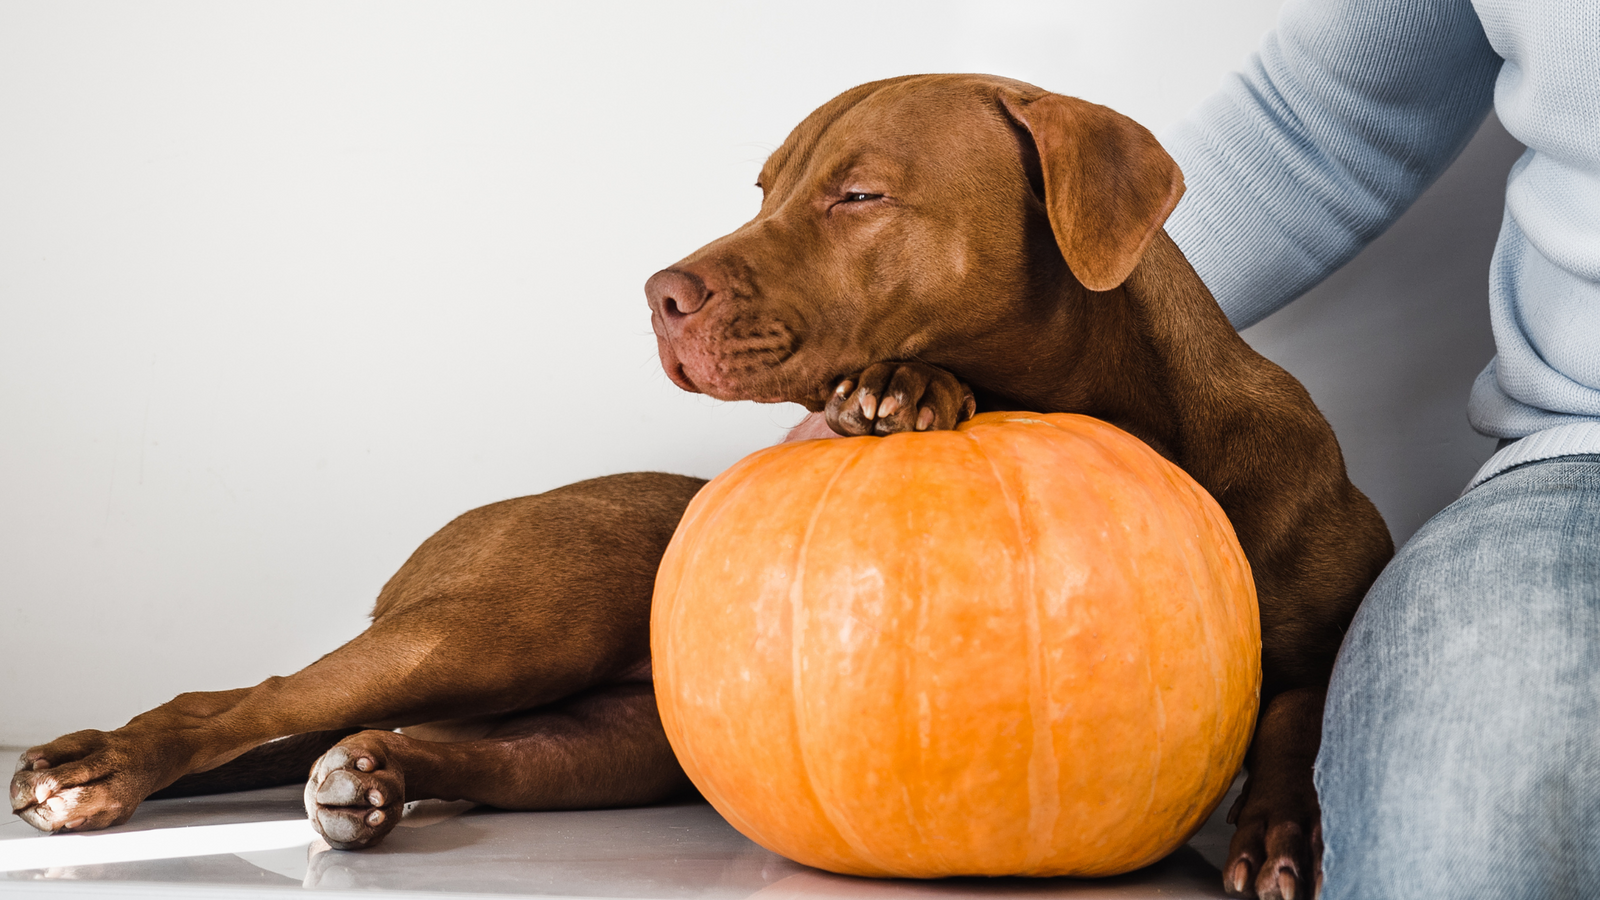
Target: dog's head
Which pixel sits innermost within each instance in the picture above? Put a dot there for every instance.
(915, 218)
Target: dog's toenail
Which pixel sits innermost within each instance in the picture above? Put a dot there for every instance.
(1286, 884)
(844, 388)
(39, 765)
(375, 798)
(1240, 876)
(925, 418)
(56, 804)
(888, 406)
(869, 406)
(375, 818)
(75, 823)
(364, 764)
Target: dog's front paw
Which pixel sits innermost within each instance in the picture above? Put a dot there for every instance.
(80, 782)
(356, 792)
(888, 398)
(1276, 851)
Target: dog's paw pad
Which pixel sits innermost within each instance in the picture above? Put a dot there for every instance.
(355, 794)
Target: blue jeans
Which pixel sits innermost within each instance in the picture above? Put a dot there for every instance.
(1461, 742)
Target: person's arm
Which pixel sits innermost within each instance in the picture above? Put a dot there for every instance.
(1349, 110)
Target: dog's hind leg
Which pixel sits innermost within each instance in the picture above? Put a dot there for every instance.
(602, 748)
(512, 606)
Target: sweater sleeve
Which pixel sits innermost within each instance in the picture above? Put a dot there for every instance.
(1345, 115)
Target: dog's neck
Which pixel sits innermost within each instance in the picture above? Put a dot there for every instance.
(1154, 357)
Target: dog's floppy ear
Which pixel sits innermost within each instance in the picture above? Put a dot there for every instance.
(1108, 183)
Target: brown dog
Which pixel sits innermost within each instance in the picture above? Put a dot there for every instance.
(918, 236)
(922, 234)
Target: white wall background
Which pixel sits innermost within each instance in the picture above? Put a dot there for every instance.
(286, 285)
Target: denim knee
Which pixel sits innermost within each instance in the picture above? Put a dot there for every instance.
(1461, 741)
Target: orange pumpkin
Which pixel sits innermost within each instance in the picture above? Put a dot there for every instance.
(1025, 647)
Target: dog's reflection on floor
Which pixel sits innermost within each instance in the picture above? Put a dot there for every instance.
(678, 850)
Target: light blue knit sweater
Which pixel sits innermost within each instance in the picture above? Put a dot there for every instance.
(1350, 109)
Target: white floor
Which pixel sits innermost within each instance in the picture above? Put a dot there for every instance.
(456, 850)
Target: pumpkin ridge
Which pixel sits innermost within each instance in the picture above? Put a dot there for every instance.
(1093, 436)
(662, 659)
(1113, 458)
(841, 829)
(1216, 668)
(1158, 722)
(1200, 519)
(708, 505)
(1159, 718)
(918, 667)
(1044, 768)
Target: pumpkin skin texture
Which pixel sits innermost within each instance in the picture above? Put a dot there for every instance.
(1029, 646)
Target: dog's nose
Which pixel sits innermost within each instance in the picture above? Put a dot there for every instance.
(673, 293)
